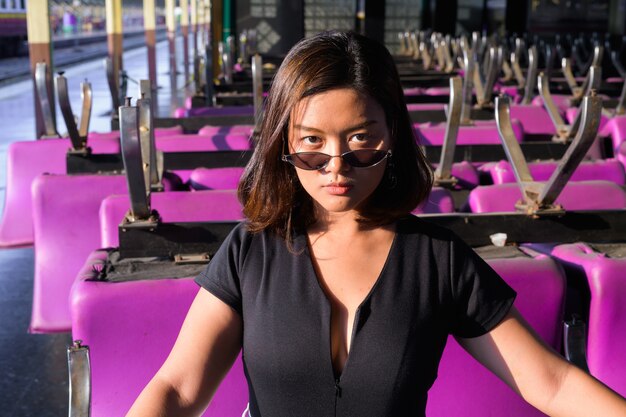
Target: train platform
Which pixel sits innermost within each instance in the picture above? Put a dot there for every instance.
(34, 367)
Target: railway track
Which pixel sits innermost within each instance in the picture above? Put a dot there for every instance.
(71, 51)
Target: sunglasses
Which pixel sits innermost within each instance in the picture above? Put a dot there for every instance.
(360, 158)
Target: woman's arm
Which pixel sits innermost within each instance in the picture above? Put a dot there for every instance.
(543, 378)
(206, 348)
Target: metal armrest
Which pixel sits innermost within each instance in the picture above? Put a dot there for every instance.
(469, 59)
(243, 47)
(562, 129)
(566, 67)
(78, 135)
(575, 342)
(112, 81)
(79, 369)
(494, 68)
(539, 198)
(531, 76)
(443, 173)
(45, 103)
(137, 174)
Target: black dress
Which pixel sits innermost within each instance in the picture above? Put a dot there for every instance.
(431, 285)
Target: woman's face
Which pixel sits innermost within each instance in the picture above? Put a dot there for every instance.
(335, 122)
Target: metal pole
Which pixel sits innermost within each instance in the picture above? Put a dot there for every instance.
(149, 19)
(114, 35)
(40, 50)
(184, 26)
(170, 22)
(194, 25)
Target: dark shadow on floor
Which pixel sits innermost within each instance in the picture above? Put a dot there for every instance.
(34, 378)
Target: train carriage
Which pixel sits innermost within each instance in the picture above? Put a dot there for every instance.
(12, 26)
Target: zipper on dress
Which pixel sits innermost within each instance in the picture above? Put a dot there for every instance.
(337, 393)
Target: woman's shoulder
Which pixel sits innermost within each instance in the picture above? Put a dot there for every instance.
(244, 238)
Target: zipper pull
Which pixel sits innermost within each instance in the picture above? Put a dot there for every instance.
(337, 388)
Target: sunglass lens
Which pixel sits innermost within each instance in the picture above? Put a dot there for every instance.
(309, 160)
(364, 158)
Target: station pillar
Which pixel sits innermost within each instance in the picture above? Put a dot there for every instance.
(113, 10)
(40, 50)
(149, 25)
(215, 26)
(208, 5)
(184, 28)
(170, 23)
(193, 23)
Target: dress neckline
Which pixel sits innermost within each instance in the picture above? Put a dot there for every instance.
(337, 376)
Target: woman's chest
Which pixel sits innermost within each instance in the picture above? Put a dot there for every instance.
(288, 326)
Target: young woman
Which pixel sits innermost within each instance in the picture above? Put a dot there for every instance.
(342, 301)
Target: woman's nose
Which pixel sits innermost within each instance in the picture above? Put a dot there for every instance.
(337, 164)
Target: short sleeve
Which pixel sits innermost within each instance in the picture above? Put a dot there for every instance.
(221, 277)
(481, 297)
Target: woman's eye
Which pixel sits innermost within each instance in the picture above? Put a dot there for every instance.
(311, 140)
(360, 137)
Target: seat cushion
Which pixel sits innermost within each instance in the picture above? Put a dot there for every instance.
(480, 133)
(607, 169)
(25, 161)
(582, 195)
(200, 206)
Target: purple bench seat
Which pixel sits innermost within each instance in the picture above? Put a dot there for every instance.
(570, 116)
(66, 230)
(130, 335)
(101, 311)
(605, 169)
(534, 119)
(463, 386)
(215, 205)
(439, 201)
(615, 128)
(182, 112)
(481, 133)
(466, 173)
(25, 161)
(605, 270)
(561, 101)
(425, 106)
(215, 178)
(582, 195)
(226, 130)
(193, 143)
(413, 91)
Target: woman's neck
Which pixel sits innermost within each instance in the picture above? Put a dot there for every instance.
(345, 223)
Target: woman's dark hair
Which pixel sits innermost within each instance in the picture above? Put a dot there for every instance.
(270, 191)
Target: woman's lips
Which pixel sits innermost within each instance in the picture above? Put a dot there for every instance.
(338, 188)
